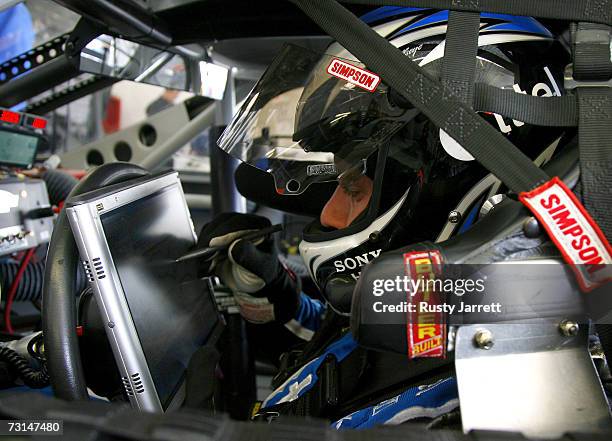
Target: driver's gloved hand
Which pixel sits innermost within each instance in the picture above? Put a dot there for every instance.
(223, 230)
(265, 290)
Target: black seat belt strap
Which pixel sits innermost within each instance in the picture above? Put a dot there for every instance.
(554, 111)
(592, 79)
(541, 194)
(595, 141)
(461, 48)
(435, 100)
(592, 52)
(595, 11)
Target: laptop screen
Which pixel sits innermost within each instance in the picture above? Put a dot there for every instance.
(173, 311)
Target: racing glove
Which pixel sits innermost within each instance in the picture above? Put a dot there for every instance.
(264, 289)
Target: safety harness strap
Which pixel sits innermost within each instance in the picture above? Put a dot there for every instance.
(595, 141)
(488, 146)
(592, 69)
(435, 100)
(595, 11)
(592, 52)
(458, 76)
(555, 111)
(461, 45)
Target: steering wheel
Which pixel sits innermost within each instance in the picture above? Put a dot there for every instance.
(59, 303)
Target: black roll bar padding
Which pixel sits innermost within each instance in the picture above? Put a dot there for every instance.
(124, 17)
(39, 80)
(52, 71)
(596, 11)
(68, 95)
(59, 306)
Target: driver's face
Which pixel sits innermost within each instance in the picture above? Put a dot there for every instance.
(350, 199)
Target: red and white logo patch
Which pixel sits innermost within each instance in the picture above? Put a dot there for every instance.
(425, 331)
(572, 229)
(353, 74)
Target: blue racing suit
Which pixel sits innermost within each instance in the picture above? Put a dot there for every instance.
(425, 401)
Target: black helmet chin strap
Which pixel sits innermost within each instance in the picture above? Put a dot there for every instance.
(448, 106)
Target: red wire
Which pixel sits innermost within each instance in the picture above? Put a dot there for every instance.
(13, 289)
(59, 207)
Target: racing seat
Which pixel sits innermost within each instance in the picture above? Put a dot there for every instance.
(378, 368)
(507, 232)
(507, 365)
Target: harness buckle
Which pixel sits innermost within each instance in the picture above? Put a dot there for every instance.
(588, 36)
(570, 83)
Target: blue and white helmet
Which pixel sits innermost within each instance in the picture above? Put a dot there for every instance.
(347, 120)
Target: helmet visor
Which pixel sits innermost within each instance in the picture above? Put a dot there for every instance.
(312, 117)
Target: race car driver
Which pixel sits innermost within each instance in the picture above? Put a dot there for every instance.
(398, 178)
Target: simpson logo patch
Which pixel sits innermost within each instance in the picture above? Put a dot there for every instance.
(425, 331)
(572, 229)
(353, 74)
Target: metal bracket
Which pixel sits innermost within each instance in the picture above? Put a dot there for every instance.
(590, 36)
(570, 83)
(133, 143)
(598, 35)
(537, 379)
(148, 143)
(33, 58)
(84, 32)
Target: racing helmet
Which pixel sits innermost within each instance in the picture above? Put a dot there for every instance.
(316, 117)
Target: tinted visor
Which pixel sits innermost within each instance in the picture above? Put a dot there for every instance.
(312, 117)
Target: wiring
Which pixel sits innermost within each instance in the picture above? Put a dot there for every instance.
(31, 377)
(13, 289)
